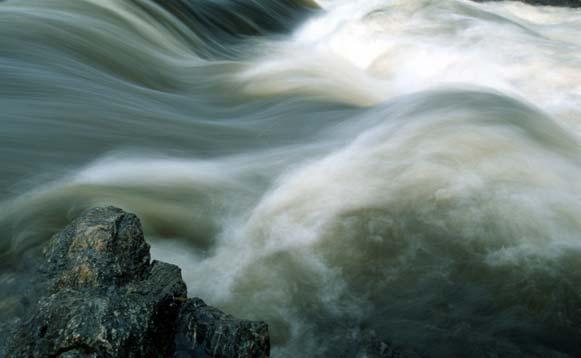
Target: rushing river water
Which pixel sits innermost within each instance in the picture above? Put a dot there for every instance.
(410, 168)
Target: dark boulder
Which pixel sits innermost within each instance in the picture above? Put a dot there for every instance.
(204, 331)
(103, 297)
(103, 248)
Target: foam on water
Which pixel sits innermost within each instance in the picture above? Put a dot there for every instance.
(369, 51)
(408, 168)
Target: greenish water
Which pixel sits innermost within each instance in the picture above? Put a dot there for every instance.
(409, 168)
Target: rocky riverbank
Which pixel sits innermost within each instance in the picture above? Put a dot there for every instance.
(102, 296)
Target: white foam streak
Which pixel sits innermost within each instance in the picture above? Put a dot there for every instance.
(446, 211)
(367, 52)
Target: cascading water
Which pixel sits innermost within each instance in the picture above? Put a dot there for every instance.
(403, 167)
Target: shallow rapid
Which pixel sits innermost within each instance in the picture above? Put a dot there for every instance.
(401, 168)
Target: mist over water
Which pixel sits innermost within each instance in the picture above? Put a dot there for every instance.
(408, 168)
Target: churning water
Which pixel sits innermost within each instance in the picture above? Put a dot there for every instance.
(410, 168)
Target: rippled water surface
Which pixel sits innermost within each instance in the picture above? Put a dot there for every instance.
(409, 168)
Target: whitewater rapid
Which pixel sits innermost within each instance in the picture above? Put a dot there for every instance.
(406, 169)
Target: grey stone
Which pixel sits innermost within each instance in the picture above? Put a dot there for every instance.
(104, 297)
(205, 331)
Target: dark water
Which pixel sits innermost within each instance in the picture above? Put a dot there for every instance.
(408, 168)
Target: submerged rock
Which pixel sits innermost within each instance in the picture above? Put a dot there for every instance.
(105, 298)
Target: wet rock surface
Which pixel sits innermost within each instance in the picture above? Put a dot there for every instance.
(103, 297)
(205, 331)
